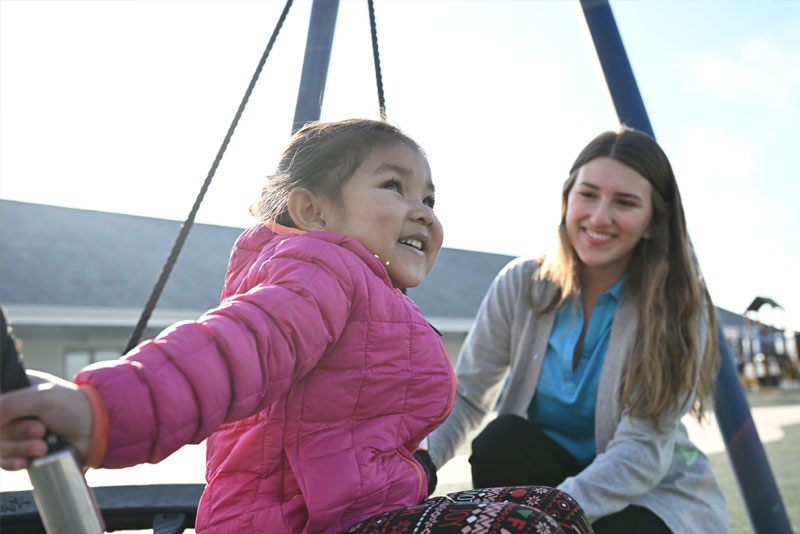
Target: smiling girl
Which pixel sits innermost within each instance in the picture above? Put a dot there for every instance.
(314, 380)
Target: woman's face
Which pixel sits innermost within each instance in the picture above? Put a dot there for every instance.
(609, 209)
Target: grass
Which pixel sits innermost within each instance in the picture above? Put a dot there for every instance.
(783, 457)
(773, 397)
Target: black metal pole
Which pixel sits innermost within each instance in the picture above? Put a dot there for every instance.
(315, 64)
(745, 450)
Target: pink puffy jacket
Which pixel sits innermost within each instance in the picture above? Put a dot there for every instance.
(315, 379)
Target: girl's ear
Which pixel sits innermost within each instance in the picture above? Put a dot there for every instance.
(306, 209)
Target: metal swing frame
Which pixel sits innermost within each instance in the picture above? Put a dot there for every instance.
(169, 509)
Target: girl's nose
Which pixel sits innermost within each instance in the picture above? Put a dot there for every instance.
(423, 213)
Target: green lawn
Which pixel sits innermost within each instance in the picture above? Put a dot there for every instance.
(773, 397)
(784, 459)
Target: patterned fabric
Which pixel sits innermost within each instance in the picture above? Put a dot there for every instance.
(511, 510)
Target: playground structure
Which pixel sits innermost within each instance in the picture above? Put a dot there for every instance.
(768, 357)
(760, 493)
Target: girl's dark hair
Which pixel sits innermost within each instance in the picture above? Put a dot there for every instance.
(321, 157)
(674, 355)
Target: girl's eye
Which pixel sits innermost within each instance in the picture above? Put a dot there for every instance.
(586, 194)
(627, 203)
(392, 185)
(429, 201)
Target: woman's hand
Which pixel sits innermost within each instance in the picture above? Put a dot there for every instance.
(26, 414)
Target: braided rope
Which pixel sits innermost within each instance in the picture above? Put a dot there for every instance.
(376, 57)
(187, 225)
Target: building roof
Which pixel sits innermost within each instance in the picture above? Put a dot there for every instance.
(64, 257)
(71, 259)
(729, 319)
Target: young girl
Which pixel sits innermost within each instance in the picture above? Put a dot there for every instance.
(315, 380)
(609, 342)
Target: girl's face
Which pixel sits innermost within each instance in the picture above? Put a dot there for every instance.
(609, 209)
(387, 206)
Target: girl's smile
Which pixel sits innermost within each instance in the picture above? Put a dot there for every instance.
(387, 206)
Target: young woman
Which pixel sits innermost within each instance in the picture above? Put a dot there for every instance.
(314, 380)
(609, 342)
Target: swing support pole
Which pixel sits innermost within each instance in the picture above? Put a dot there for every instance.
(319, 42)
(745, 450)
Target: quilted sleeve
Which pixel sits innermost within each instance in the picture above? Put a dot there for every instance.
(232, 362)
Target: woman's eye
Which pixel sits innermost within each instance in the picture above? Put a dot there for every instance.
(586, 194)
(429, 201)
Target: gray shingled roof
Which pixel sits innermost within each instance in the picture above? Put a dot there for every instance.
(729, 319)
(456, 285)
(71, 257)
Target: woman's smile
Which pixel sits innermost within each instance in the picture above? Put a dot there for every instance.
(609, 209)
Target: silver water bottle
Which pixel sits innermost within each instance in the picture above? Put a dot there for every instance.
(65, 502)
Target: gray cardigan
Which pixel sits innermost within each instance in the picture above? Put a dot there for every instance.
(661, 471)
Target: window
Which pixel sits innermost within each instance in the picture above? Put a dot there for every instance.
(75, 360)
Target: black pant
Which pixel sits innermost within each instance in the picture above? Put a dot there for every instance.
(513, 451)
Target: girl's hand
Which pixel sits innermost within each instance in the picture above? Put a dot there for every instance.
(53, 403)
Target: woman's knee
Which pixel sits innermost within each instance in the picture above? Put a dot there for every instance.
(499, 435)
(631, 519)
(512, 451)
(498, 456)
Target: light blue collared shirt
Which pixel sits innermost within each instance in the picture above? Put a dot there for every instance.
(565, 400)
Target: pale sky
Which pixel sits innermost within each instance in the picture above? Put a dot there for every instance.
(121, 106)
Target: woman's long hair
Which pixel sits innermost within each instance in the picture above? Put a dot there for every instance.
(675, 352)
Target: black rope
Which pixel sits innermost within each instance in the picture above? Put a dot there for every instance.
(376, 56)
(187, 225)
(378, 78)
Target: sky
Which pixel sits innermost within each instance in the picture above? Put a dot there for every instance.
(121, 106)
